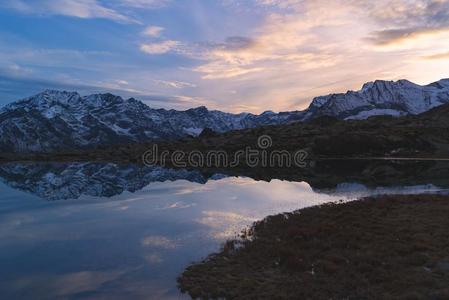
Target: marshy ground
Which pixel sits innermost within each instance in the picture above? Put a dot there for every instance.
(388, 247)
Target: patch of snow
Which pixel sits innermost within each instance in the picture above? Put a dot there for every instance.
(119, 129)
(375, 112)
(193, 131)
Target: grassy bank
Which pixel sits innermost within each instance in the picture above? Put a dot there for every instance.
(389, 247)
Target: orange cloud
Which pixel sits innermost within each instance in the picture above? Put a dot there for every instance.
(444, 55)
(398, 36)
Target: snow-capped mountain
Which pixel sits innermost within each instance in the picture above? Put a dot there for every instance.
(55, 120)
(395, 98)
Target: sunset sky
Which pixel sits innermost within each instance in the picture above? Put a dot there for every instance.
(232, 55)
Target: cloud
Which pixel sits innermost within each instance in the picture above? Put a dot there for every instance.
(153, 31)
(280, 3)
(396, 20)
(159, 48)
(236, 43)
(66, 285)
(218, 70)
(444, 55)
(148, 4)
(300, 49)
(16, 70)
(153, 258)
(404, 20)
(122, 82)
(159, 242)
(396, 36)
(175, 84)
(84, 9)
(283, 40)
(223, 224)
(277, 54)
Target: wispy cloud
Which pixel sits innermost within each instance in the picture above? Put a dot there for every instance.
(175, 84)
(254, 55)
(85, 9)
(280, 3)
(282, 40)
(159, 242)
(444, 55)
(74, 8)
(303, 46)
(159, 47)
(153, 31)
(148, 4)
(396, 36)
(404, 20)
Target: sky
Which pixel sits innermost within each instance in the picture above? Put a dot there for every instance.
(232, 55)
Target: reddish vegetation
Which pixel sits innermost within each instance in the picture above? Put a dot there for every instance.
(390, 247)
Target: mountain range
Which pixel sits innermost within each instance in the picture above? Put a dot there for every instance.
(59, 120)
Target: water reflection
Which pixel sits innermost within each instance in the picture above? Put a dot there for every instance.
(133, 245)
(154, 223)
(59, 181)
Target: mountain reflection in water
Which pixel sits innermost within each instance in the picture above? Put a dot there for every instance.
(59, 181)
(156, 221)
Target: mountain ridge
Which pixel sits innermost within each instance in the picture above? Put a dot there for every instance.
(60, 120)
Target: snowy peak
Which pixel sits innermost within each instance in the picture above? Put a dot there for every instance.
(60, 120)
(387, 85)
(68, 100)
(46, 99)
(381, 97)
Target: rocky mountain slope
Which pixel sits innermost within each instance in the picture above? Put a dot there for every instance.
(60, 121)
(381, 98)
(422, 136)
(55, 120)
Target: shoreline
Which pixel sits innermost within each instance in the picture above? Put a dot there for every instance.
(85, 157)
(378, 247)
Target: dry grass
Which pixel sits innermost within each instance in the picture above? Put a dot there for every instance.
(392, 247)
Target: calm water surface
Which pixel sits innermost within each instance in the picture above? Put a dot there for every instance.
(90, 231)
